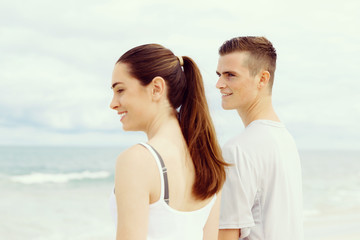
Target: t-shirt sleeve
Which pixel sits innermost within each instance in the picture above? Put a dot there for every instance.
(239, 191)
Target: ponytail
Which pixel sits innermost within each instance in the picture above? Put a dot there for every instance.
(186, 91)
(200, 136)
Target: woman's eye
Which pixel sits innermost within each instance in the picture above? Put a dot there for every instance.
(120, 90)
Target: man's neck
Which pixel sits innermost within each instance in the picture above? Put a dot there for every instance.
(261, 109)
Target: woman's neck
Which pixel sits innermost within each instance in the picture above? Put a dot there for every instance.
(164, 125)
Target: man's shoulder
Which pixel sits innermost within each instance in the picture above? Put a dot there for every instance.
(240, 146)
(257, 139)
(252, 134)
(237, 141)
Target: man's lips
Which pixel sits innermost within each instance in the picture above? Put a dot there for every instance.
(226, 94)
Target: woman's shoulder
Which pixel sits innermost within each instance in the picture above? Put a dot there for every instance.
(136, 165)
(134, 156)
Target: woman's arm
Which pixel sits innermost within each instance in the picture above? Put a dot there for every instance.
(211, 228)
(132, 191)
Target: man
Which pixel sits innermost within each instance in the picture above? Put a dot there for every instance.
(262, 196)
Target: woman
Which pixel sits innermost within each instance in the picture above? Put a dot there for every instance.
(168, 188)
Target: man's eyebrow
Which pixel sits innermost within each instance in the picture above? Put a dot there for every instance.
(114, 84)
(226, 73)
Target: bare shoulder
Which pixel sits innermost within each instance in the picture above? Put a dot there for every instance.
(136, 160)
(136, 153)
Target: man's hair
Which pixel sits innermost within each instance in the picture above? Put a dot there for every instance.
(262, 54)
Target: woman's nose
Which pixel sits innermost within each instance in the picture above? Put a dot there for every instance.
(113, 104)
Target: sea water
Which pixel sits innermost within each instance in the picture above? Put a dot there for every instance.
(331, 189)
(56, 193)
(49, 193)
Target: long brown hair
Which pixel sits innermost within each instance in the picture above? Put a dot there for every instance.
(186, 95)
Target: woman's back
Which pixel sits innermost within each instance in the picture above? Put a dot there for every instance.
(180, 170)
(183, 216)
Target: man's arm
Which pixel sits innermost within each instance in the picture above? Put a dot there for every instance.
(229, 234)
(238, 196)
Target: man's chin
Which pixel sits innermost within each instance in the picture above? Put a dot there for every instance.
(226, 107)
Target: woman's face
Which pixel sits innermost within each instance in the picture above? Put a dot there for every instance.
(131, 100)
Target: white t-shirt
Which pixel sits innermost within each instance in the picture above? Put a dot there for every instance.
(263, 190)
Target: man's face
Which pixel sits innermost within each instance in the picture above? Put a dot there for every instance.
(238, 88)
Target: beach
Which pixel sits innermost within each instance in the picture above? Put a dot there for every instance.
(63, 193)
(335, 225)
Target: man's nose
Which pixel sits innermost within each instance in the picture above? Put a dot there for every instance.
(220, 83)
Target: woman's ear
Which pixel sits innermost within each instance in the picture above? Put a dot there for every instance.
(157, 88)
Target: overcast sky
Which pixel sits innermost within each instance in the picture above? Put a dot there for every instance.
(56, 61)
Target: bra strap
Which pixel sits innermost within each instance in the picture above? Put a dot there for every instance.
(163, 168)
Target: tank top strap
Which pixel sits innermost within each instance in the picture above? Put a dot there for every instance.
(164, 192)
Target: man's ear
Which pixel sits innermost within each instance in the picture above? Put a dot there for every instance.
(264, 79)
(157, 88)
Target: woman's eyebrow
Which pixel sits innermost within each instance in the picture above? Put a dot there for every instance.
(116, 83)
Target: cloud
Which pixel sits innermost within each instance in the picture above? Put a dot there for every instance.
(57, 60)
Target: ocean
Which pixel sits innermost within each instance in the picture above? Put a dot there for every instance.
(59, 193)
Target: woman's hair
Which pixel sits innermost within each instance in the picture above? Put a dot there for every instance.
(185, 93)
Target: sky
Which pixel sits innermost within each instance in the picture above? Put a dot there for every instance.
(57, 57)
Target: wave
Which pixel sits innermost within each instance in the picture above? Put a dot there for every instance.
(38, 178)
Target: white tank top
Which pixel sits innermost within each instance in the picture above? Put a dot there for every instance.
(166, 223)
